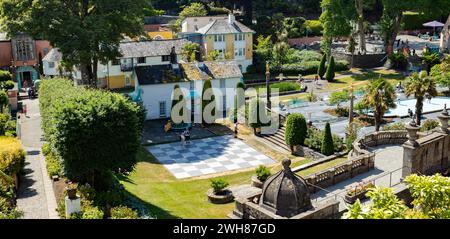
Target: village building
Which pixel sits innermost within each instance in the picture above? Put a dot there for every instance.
(230, 38)
(20, 55)
(153, 68)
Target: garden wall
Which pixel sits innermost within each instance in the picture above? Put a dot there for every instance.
(362, 61)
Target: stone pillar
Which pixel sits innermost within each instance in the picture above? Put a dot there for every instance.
(72, 206)
(444, 118)
(409, 150)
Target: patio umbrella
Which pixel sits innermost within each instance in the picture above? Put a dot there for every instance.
(434, 24)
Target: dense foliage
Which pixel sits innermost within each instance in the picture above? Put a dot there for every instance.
(315, 140)
(93, 132)
(218, 185)
(431, 200)
(98, 27)
(263, 173)
(296, 130)
(441, 73)
(6, 82)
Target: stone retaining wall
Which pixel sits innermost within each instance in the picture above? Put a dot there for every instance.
(362, 61)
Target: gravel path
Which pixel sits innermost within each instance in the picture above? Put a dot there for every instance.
(36, 197)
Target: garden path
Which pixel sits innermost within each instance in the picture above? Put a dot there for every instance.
(36, 198)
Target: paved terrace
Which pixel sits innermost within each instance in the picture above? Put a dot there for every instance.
(387, 173)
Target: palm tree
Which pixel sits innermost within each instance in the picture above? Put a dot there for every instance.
(420, 85)
(380, 96)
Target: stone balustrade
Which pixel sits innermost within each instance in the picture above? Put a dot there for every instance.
(341, 172)
(361, 145)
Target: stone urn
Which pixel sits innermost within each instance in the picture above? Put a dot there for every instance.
(256, 182)
(223, 197)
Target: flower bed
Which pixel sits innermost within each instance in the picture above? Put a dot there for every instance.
(358, 191)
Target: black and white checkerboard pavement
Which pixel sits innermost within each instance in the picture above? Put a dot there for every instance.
(208, 156)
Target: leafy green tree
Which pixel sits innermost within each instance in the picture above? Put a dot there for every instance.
(339, 97)
(93, 132)
(327, 143)
(208, 98)
(86, 32)
(6, 82)
(296, 131)
(193, 10)
(330, 74)
(441, 73)
(393, 14)
(263, 50)
(190, 50)
(430, 60)
(380, 96)
(385, 205)
(213, 55)
(322, 69)
(280, 52)
(3, 100)
(420, 85)
(430, 194)
(335, 21)
(176, 91)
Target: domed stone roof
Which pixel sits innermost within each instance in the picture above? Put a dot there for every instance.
(285, 193)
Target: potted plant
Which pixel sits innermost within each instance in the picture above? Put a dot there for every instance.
(219, 194)
(358, 191)
(71, 190)
(262, 174)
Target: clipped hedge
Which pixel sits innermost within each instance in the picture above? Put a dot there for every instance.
(307, 68)
(286, 86)
(296, 130)
(92, 131)
(314, 27)
(315, 140)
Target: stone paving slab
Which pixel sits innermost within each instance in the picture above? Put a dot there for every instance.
(208, 156)
(36, 198)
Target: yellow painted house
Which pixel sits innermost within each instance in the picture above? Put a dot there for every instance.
(160, 35)
(231, 39)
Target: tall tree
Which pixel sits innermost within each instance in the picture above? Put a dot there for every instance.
(420, 85)
(441, 73)
(380, 96)
(327, 142)
(194, 10)
(335, 21)
(393, 15)
(85, 31)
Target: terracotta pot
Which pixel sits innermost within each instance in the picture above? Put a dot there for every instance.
(224, 198)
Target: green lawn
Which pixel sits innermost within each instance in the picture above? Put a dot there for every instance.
(166, 197)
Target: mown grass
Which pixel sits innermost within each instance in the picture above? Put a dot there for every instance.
(167, 197)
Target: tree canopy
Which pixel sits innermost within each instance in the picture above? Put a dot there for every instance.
(85, 31)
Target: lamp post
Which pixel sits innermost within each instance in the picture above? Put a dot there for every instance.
(352, 100)
(268, 94)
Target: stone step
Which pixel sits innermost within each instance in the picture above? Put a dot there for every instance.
(277, 141)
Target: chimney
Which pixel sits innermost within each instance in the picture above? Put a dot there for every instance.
(199, 58)
(174, 59)
(231, 18)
